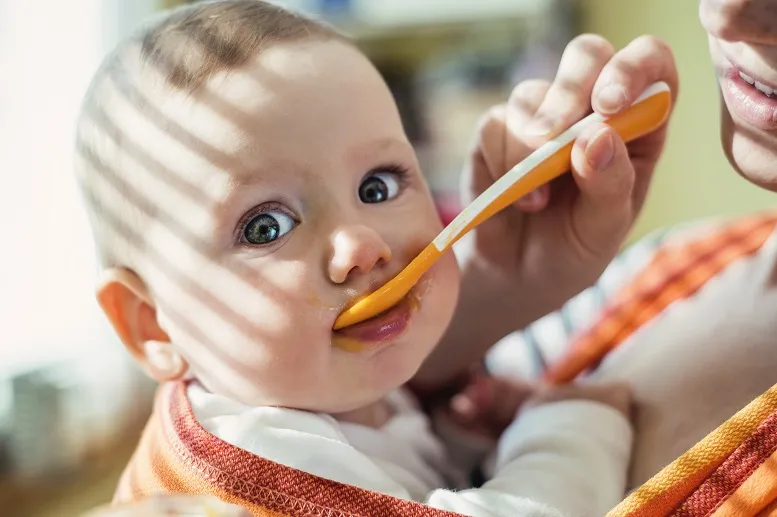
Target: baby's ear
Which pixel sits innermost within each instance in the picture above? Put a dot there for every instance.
(130, 310)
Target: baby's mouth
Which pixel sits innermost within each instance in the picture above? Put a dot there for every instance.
(386, 326)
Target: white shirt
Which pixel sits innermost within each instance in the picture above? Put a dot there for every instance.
(567, 458)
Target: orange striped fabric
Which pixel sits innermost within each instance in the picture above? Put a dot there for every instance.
(675, 273)
(177, 455)
(769, 511)
(734, 474)
(703, 478)
(756, 493)
(718, 475)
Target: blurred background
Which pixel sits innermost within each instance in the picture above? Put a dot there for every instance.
(71, 403)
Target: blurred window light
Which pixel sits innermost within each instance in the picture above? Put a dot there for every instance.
(48, 52)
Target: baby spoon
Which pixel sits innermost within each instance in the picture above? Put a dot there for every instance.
(551, 160)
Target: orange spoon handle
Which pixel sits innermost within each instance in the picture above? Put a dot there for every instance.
(554, 158)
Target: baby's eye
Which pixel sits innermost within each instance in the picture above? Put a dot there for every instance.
(379, 187)
(267, 227)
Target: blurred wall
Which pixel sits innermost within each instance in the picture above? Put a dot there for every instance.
(693, 179)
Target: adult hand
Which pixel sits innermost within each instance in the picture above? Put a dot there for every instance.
(557, 240)
(529, 259)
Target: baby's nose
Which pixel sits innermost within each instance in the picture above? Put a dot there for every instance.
(356, 249)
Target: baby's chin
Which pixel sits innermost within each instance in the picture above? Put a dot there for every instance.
(363, 378)
(365, 373)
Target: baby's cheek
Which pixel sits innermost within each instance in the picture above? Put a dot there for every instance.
(440, 296)
(451, 279)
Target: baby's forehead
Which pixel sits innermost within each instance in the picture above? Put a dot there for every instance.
(285, 84)
(294, 102)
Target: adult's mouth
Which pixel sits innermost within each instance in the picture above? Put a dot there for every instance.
(750, 97)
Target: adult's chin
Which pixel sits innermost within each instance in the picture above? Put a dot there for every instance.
(751, 151)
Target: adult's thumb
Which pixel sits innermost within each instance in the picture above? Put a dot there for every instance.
(603, 213)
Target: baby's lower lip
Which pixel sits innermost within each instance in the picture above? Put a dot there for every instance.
(384, 327)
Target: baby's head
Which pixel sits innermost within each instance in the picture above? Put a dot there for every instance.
(247, 175)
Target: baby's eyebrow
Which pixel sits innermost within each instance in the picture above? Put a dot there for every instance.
(257, 175)
(383, 145)
(230, 183)
(238, 181)
(226, 189)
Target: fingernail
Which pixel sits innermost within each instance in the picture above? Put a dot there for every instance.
(611, 98)
(532, 198)
(600, 149)
(539, 127)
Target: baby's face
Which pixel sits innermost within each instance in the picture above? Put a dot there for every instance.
(290, 189)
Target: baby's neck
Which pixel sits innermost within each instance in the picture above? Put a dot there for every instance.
(375, 415)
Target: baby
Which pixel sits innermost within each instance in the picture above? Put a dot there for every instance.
(247, 176)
